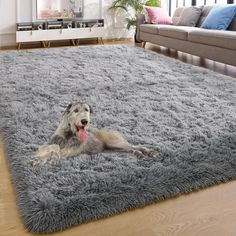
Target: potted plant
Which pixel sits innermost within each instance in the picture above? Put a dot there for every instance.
(136, 6)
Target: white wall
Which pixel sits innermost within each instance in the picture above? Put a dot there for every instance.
(12, 11)
(24, 10)
(7, 22)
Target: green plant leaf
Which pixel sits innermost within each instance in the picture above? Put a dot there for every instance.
(153, 3)
(136, 5)
(117, 7)
(131, 22)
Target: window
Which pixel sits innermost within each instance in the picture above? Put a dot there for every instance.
(210, 2)
(171, 5)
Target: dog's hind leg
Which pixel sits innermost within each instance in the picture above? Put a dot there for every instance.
(115, 142)
(123, 146)
(135, 150)
(126, 147)
(146, 151)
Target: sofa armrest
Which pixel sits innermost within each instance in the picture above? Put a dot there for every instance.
(140, 19)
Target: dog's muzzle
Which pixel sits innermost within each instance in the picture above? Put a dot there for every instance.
(84, 122)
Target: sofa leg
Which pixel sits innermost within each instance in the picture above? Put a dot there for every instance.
(143, 44)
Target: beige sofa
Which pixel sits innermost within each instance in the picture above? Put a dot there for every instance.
(217, 45)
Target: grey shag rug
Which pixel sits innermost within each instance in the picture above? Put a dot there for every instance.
(185, 112)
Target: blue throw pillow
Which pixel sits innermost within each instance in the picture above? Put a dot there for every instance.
(219, 17)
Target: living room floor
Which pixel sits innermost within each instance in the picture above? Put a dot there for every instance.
(207, 212)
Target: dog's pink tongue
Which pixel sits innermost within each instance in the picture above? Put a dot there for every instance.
(82, 134)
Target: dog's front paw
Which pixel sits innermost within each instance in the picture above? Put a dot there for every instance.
(153, 154)
(149, 153)
(51, 158)
(37, 160)
(137, 153)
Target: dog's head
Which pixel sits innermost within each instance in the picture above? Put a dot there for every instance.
(77, 116)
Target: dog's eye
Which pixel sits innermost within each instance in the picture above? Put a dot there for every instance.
(76, 110)
(86, 109)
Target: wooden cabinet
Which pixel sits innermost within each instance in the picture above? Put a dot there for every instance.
(47, 35)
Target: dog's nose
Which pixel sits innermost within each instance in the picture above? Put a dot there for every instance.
(84, 122)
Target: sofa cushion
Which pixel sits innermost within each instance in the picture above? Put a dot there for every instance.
(177, 14)
(204, 14)
(177, 32)
(149, 28)
(219, 38)
(190, 16)
(220, 17)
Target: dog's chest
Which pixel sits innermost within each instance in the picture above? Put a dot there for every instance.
(73, 142)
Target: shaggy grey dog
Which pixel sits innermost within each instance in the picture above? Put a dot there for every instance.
(71, 139)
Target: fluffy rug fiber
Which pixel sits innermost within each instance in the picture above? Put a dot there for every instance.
(185, 112)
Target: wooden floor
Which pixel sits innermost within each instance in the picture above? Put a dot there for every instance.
(211, 211)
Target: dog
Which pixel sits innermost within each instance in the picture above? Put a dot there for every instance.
(71, 138)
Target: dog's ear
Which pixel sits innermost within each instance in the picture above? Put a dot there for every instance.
(68, 108)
